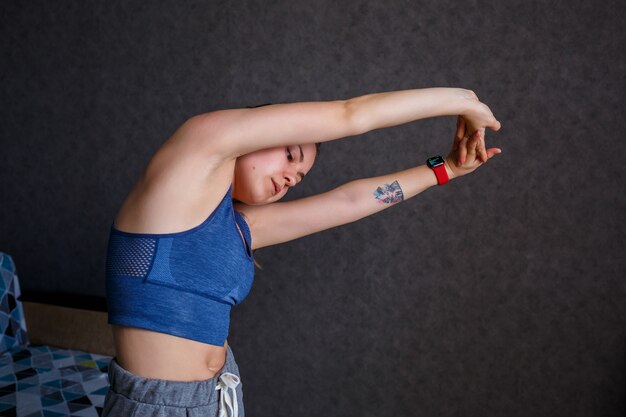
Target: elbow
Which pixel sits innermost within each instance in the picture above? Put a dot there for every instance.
(351, 194)
(207, 132)
(203, 122)
(356, 118)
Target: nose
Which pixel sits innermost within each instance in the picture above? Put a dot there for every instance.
(290, 180)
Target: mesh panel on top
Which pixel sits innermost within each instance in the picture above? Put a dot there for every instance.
(130, 256)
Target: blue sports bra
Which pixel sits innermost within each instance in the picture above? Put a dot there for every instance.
(184, 283)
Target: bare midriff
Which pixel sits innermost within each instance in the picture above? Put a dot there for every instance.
(156, 205)
(157, 355)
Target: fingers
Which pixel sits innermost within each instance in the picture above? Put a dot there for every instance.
(491, 152)
(460, 131)
(495, 125)
(463, 150)
(473, 146)
(480, 146)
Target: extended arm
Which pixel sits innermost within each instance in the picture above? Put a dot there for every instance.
(281, 222)
(235, 132)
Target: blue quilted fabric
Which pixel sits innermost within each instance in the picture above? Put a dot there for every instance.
(43, 381)
(12, 320)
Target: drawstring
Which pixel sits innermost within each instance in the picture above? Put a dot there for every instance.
(225, 382)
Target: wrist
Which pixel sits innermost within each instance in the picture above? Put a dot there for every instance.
(438, 166)
(467, 101)
(451, 174)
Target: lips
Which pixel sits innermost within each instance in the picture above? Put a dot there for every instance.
(276, 188)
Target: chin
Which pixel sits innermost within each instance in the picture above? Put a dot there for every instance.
(256, 197)
(257, 200)
(257, 203)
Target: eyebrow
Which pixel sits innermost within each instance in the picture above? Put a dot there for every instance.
(301, 159)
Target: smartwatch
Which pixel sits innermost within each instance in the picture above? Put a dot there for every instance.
(436, 163)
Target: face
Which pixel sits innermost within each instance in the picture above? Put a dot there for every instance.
(265, 176)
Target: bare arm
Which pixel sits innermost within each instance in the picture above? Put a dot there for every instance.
(281, 222)
(375, 111)
(275, 223)
(235, 132)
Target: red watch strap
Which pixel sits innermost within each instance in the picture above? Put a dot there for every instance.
(441, 173)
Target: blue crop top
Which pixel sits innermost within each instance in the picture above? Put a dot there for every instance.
(184, 283)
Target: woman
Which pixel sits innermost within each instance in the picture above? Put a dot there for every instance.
(180, 250)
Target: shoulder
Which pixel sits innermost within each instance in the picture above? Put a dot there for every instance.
(177, 190)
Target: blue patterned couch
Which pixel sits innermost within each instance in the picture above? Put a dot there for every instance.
(43, 380)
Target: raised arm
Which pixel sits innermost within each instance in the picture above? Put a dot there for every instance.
(235, 132)
(276, 223)
(281, 222)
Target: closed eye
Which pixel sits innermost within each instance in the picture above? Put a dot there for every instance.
(290, 159)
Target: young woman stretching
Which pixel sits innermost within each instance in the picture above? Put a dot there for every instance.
(180, 248)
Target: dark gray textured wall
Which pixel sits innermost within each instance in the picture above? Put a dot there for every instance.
(502, 293)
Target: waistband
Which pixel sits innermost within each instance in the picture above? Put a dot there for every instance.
(171, 393)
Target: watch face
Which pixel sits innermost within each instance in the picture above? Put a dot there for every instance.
(434, 161)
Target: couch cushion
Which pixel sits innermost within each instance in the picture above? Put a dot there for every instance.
(50, 381)
(12, 321)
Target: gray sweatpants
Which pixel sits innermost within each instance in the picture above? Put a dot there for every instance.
(134, 396)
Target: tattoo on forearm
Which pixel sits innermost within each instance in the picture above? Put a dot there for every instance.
(389, 194)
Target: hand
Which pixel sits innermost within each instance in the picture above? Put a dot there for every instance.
(477, 118)
(465, 155)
